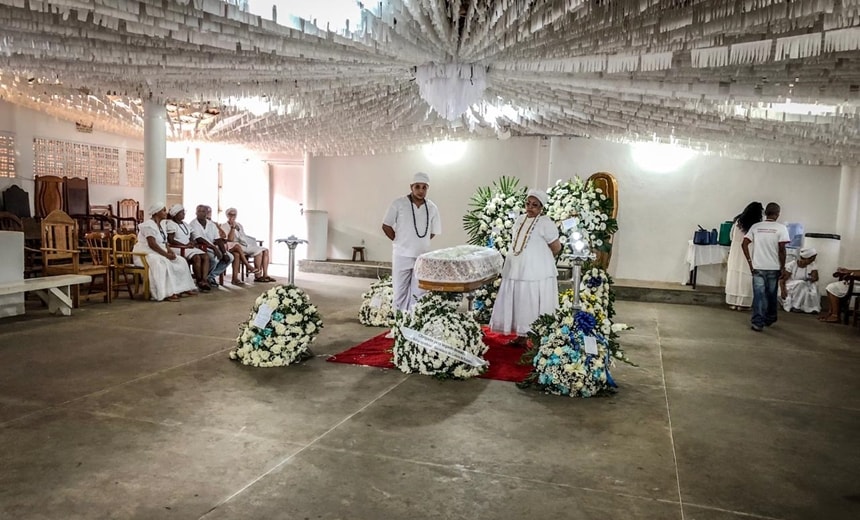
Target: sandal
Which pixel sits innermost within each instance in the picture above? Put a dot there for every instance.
(172, 298)
(829, 319)
(187, 294)
(238, 282)
(264, 279)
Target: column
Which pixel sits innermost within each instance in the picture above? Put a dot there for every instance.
(309, 192)
(848, 217)
(154, 154)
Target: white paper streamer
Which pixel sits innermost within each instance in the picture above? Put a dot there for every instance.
(842, 40)
(751, 52)
(801, 46)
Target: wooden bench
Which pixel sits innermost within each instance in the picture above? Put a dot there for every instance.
(53, 290)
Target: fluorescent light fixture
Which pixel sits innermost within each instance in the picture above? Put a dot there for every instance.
(444, 152)
(660, 158)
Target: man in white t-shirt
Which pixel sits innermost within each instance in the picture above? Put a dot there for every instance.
(410, 223)
(205, 234)
(767, 264)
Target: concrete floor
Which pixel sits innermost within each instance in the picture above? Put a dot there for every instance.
(132, 410)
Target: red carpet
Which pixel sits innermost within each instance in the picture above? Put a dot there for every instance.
(504, 360)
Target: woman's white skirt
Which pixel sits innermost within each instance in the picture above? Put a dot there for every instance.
(167, 277)
(520, 302)
(802, 295)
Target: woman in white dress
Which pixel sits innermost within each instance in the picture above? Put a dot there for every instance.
(245, 247)
(169, 275)
(798, 288)
(180, 241)
(739, 291)
(529, 277)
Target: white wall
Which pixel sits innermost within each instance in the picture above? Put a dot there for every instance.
(657, 212)
(27, 124)
(356, 191)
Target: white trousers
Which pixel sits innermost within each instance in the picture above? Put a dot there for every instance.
(405, 283)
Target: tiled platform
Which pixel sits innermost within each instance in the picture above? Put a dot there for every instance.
(630, 290)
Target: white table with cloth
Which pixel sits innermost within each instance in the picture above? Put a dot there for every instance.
(699, 255)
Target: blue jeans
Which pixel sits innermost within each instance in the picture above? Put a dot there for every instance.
(218, 267)
(765, 291)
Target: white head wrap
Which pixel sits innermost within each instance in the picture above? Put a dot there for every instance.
(154, 208)
(230, 210)
(539, 195)
(420, 177)
(808, 252)
(175, 209)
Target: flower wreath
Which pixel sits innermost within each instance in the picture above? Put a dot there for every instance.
(436, 315)
(282, 337)
(578, 198)
(562, 363)
(377, 304)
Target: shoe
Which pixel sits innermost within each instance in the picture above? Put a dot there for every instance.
(757, 328)
(212, 282)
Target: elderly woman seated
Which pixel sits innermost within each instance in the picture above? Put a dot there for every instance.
(234, 234)
(798, 286)
(180, 242)
(836, 291)
(169, 277)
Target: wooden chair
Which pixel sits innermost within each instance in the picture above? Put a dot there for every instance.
(60, 253)
(49, 195)
(102, 218)
(127, 215)
(17, 202)
(846, 311)
(125, 271)
(98, 246)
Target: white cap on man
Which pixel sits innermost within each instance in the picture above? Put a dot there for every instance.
(808, 252)
(175, 210)
(420, 177)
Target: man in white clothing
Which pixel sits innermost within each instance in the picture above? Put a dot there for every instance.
(205, 234)
(767, 265)
(410, 223)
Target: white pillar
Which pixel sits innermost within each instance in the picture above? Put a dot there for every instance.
(154, 154)
(848, 217)
(309, 189)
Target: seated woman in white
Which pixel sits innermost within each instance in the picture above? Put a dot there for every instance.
(234, 234)
(180, 241)
(798, 287)
(836, 291)
(169, 276)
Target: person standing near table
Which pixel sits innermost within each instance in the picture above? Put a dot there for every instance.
(739, 291)
(410, 223)
(767, 264)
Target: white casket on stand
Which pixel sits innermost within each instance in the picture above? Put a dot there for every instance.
(458, 269)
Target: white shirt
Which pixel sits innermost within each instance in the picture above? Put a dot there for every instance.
(208, 233)
(408, 239)
(181, 231)
(800, 273)
(767, 236)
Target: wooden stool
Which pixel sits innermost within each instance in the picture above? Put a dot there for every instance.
(358, 250)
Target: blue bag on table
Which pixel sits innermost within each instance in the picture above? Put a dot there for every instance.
(701, 237)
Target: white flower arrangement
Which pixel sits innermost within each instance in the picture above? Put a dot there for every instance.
(485, 298)
(283, 337)
(436, 315)
(577, 198)
(562, 362)
(561, 365)
(377, 304)
(495, 209)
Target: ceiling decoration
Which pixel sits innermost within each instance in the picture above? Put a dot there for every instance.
(771, 80)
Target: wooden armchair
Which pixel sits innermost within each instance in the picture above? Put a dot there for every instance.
(102, 218)
(125, 271)
(60, 253)
(49, 195)
(98, 246)
(17, 202)
(127, 215)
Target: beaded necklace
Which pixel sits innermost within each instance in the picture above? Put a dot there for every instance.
(526, 239)
(415, 221)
